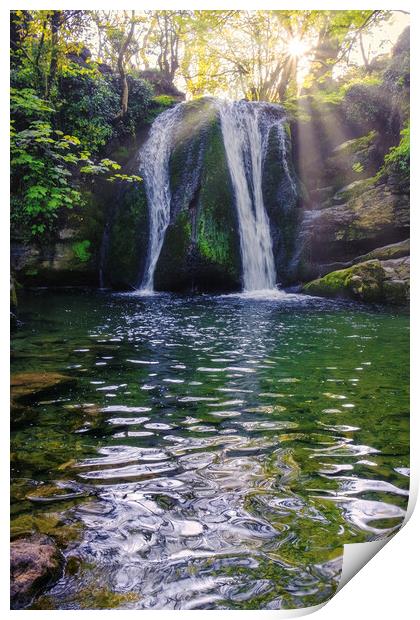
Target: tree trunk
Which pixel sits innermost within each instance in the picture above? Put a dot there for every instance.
(121, 69)
(288, 72)
(56, 20)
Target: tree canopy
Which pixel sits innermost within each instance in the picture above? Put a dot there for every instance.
(82, 78)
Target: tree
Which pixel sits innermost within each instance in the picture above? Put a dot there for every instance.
(254, 54)
(117, 45)
(337, 33)
(42, 44)
(170, 29)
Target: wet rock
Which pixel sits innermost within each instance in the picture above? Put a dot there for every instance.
(35, 562)
(201, 248)
(388, 252)
(391, 251)
(343, 232)
(372, 281)
(352, 190)
(57, 265)
(28, 384)
(396, 285)
(50, 524)
(13, 304)
(321, 194)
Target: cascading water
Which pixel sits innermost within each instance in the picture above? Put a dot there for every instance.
(154, 167)
(245, 129)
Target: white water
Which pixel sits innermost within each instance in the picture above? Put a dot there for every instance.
(245, 127)
(245, 136)
(154, 167)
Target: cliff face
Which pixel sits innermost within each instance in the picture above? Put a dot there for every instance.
(345, 234)
(356, 171)
(201, 246)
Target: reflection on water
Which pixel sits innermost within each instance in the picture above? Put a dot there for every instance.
(213, 452)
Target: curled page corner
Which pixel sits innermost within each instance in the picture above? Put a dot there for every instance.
(357, 555)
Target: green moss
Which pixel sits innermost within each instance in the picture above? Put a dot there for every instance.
(213, 244)
(370, 281)
(50, 524)
(201, 247)
(164, 100)
(102, 598)
(217, 237)
(128, 238)
(394, 250)
(81, 250)
(363, 281)
(355, 189)
(88, 598)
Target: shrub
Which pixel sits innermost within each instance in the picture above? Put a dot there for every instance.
(397, 161)
(81, 250)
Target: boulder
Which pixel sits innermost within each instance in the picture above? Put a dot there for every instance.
(69, 261)
(371, 281)
(161, 83)
(391, 251)
(35, 563)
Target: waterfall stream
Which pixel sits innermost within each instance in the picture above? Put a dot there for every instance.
(154, 167)
(244, 143)
(246, 128)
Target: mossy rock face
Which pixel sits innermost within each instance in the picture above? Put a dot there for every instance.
(353, 190)
(215, 229)
(172, 269)
(372, 281)
(126, 238)
(69, 262)
(362, 282)
(72, 258)
(281, 197)
(341, 233)
(391, 251)
(201, 246)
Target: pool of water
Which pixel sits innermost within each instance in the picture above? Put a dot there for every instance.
(210, 452)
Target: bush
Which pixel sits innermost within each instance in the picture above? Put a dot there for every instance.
(367, 105)
(81, 250)
(88, 108)
(397, 161)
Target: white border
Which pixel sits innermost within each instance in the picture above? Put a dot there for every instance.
(388, 585)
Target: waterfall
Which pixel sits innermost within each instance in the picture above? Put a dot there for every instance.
(245, 129)
(154, 167)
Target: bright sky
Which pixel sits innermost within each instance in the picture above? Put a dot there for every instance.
(383, 37)
(379, 40)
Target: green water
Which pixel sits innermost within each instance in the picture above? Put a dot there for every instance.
(213, 452)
